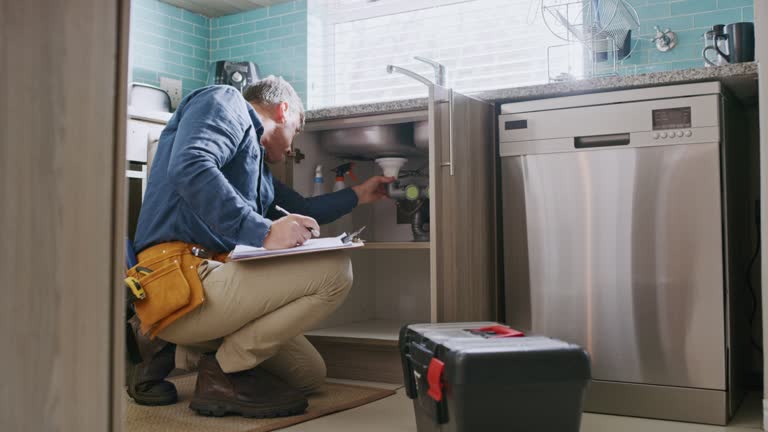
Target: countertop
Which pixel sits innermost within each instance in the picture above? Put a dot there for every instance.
(740, 78)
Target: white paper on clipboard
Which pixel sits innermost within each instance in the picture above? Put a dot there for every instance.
(243, 253)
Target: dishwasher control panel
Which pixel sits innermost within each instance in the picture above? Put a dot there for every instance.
(671, 118)
(658, 120)
(673, 134)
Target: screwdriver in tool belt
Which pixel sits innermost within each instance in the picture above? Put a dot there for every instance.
(286, 213)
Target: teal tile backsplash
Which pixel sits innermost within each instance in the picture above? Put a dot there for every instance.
(173, 42)
(692, 6)
(275, 38)
(167, 41)
(689, 19)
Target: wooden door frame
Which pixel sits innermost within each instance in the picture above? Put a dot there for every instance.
(761, 47)
(63, 88)
(120, 216)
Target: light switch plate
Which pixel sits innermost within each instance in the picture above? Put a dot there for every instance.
(173, 87)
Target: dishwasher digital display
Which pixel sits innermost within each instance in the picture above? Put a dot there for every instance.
(672, 118)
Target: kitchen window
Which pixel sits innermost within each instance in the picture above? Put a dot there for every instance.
(484, 44)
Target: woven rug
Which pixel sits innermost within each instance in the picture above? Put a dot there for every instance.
(178, 417)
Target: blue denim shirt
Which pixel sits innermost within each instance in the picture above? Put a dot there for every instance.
(209, 183)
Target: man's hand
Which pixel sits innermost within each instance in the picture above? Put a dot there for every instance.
(290, 231)
(373, 189)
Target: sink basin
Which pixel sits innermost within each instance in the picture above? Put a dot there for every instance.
(421, 135)
(371, 142)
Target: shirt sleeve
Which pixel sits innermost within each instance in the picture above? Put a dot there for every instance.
(324, 208)
(209, 135)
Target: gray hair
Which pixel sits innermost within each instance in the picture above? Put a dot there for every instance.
(273, 90)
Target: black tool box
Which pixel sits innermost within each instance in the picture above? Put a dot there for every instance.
(478, 377)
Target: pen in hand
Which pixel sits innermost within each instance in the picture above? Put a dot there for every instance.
(286, 213)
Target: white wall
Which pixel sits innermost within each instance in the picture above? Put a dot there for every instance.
(761, 39)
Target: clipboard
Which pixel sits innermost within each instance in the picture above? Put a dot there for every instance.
(343, 241)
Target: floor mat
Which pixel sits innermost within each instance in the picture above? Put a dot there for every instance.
(177, 418)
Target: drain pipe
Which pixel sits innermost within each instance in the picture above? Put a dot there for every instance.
(409, 192)
(420, 234)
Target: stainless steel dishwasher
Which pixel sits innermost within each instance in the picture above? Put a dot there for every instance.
(619, 235)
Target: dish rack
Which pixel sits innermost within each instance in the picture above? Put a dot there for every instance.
(597, 35)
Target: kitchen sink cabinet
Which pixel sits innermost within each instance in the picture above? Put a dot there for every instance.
(451, 277)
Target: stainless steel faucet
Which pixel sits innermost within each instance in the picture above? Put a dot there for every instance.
(412, 74)
(439, 69)
(439, 72)
(440, 78)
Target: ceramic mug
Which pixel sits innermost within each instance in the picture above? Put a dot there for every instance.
(741, 43)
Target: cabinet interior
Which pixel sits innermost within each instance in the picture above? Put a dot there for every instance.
(392, 272)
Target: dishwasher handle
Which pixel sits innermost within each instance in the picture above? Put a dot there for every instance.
(601, 141)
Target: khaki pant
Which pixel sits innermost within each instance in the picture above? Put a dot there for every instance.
(256, 311)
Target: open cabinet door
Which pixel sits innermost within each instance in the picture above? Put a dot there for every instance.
(462, 207)
(63, 81)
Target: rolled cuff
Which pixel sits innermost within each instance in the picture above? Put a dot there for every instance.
(254, 230)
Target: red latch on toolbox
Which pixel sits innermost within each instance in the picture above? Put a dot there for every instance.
(434, 376)
(502, 331)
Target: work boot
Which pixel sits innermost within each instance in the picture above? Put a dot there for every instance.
(146, 380)
(253, 393)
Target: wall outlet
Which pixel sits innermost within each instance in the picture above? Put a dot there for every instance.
(173, 87)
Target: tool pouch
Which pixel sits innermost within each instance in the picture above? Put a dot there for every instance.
(167, 291)
(173, 287)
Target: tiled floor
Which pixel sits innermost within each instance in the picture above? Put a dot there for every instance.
(394, 414)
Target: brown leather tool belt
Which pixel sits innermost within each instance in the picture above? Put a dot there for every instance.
(167, 273)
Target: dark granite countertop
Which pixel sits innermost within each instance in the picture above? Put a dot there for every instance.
(728, 73)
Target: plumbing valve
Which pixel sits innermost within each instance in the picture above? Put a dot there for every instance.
(665, 40)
